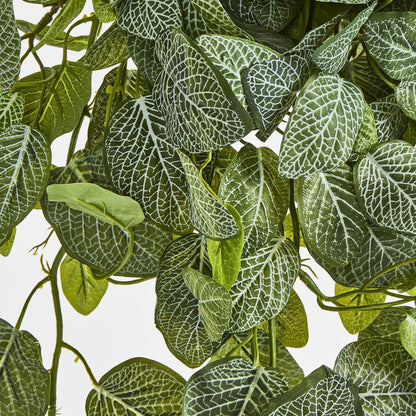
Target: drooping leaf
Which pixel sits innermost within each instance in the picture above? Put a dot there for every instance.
(201, 111)
(214, 302)
(104, 11)
(322, 128)
(24, 387)
(408, 332)
(367, 135)
(138, 386)
(386, 185)
(6, 247)
(11, 110)
(25, 159)
(144, 165)
(332, 223)
(384, 373)
(232, 386)
(390, 38)
(405, 94)
(386, 325)
(82, 290)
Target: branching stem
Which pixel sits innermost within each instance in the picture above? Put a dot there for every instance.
(82, 359)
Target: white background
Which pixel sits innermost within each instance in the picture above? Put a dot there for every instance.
(122, 326)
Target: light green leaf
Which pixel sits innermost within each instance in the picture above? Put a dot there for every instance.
(69, 11)
(144, 165)
(11, 110)
(405, 94)
(177, 313)
(332, 55)
(332, 223)
(148, 18)
(367, 135)
(82, 290)
(6, 247)
(321, 393)
(9, 47)
(386, 325)
(386, 185)
(322, 128)
(251, 185)
(356, 321)
(208, 215)
(137, 387)
(24, 387)
(102, 204)
(214, 302)
(264, 284)
(385, 376)
(104, 11)
(25, 159)
(408, 332)
(201, 111)
(390, 38)
(108, 50)
(225, 255)
(232, 387)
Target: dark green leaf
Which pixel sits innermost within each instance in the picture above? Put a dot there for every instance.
(6, 247)
(367, 136)
(408, 332)
(11, 110)
(386, 325)
(193, 23)
(405, 94)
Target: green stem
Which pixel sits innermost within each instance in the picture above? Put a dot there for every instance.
(82, 359)
(312, 286)
(255, 347)
(114, 89)
(129, 282)
(364, 308)
(94, 31)
(74, 136)
(383, 5)
(59, 332)
(294, 215)
(29, 298)
(240, 345)
(272, 342)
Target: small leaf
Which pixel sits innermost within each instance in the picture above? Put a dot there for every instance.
(405, 94)
(408, 332)
(6, 247)
(11, 110)
(367, 136)
(82, 290)
(386, 325)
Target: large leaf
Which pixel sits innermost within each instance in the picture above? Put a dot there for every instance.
(386, 325)
(322, 128)
(11, 110)
(148, 18)
(24, 387)
(25, 159)
(143, 164)
(9, 47)
(390, 38)
(384, 373)
(201, 111)
(177, 314)
(137, 387)
(408, 332)
(321, 393)
(386, 185)
(232, 387)
(405, 94)
(264, 284)
(332, 224)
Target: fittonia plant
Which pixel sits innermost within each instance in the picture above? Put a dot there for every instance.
(160, 192)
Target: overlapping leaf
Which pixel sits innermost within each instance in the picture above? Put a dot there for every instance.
(24, 387)
(401, 6)
(405, 94)
(386, 325)
(104, 11)
(11, 110)
(6, 247)
(232, 386)
(408, 332)
(138, 387)
(367, 136)
(193, 23)
(384, 373)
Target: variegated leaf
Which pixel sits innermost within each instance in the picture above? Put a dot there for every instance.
(405, 94)
(367, 136)
(401, 6)
(11, 110)
(386, 325)
(193, 23)
(408, 332)
(104, 11)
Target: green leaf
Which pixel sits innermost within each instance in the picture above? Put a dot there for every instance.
(386, 326)
(251, 185)
(24, 166)
(232, 387)
(24, 389)
(394, 50)
(177, 313)
(386, 185)
(201, 111)
(9, 48)
(384, 373)
(405, 94)
(225, 255)
(322, 128)
(332, 55)
(11, 110)
(288, 228)
(223, 158)
(6, 247)
(208, 215)
(264, 284)
(332, 223)
(401, 6)
(108, 50)
(193, 23)
(214, 302)
(69, 11)
(356, 321)
(344, 1)
(82, 290)
(137, 387)
(144, 165)
(148, 18)
(102, 204)
(367, 136)
(321, 393)
(104, 11)
(408, 332)
(409, 134)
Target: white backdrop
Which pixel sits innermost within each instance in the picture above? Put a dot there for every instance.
(122, 326)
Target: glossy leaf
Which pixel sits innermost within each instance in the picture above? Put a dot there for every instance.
(405, 94)
(6, 247)
(408, 332)
(11, 110)
(138, 387)
(386, 326)
(24, 387)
